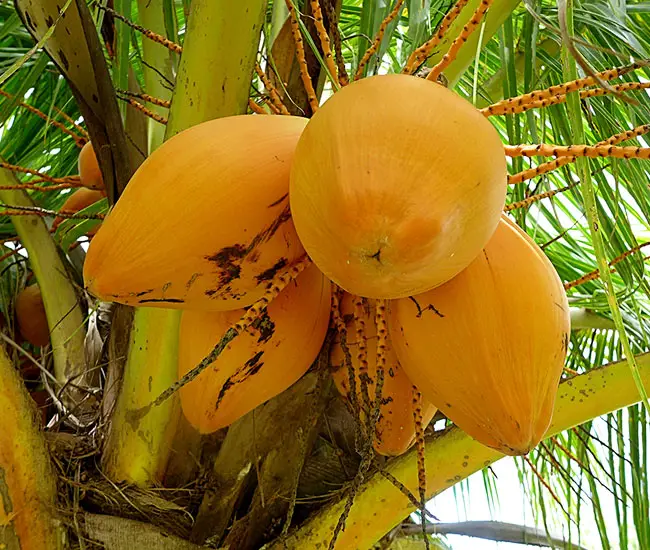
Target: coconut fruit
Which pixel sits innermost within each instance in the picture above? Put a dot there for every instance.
(78, 200)
(31, 317)
(89, 172)
(204, 223)
(395, 428)
(396, 185)
(487, 348)
(260, 363)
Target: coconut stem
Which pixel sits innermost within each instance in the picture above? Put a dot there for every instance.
(332, 18)
(592, 275)
(153, 36)
(461, 39)
(146, 97)
(362, 356)
(591, 151)
(258, 109)
(367, 451)
(144, 110)
(557, 163)
(525, 203)
(422, 475)
(561, 98)
(300, 54)
(80, 140)
(352, 395)
(510, 105)
(40, 175)
(273, 92)
(376, 42)
(325, 41)
(420, 55)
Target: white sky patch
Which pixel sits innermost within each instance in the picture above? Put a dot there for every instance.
(28, 93)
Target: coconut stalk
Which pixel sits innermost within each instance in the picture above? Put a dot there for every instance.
(217, 63)
(65, 317)
(27, 481)
(218, 54)
(138, 453)
(452, 456)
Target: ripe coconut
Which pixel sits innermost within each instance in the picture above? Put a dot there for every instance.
(89, 172)
(395, 428)
(31, 317)
(78, 200)
(259, 364)
(396, 186)
(204, 222)
(488, 347)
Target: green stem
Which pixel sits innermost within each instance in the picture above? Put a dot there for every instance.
(139, 452)
(65, 316)
(570, 72)
(217, 63)
(452, 456)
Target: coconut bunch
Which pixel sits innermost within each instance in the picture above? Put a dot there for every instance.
(405, 204)
(401, 207)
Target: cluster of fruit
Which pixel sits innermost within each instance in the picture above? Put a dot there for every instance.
(395, 190)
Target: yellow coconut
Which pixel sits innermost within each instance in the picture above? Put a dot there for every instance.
(488, 347)
(31, 317)
(204, 222)
(259, 364)
(396, 186)
(395, 428)
(78, 200)
(89, 172)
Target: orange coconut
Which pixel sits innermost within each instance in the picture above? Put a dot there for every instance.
(78, 200)
(89, 172)
(204, 222)
(488, 347)
(31, 317)
(259, 364)
(396, 186)
(395, 428)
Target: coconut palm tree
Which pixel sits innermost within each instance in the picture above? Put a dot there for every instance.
(92, 462)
